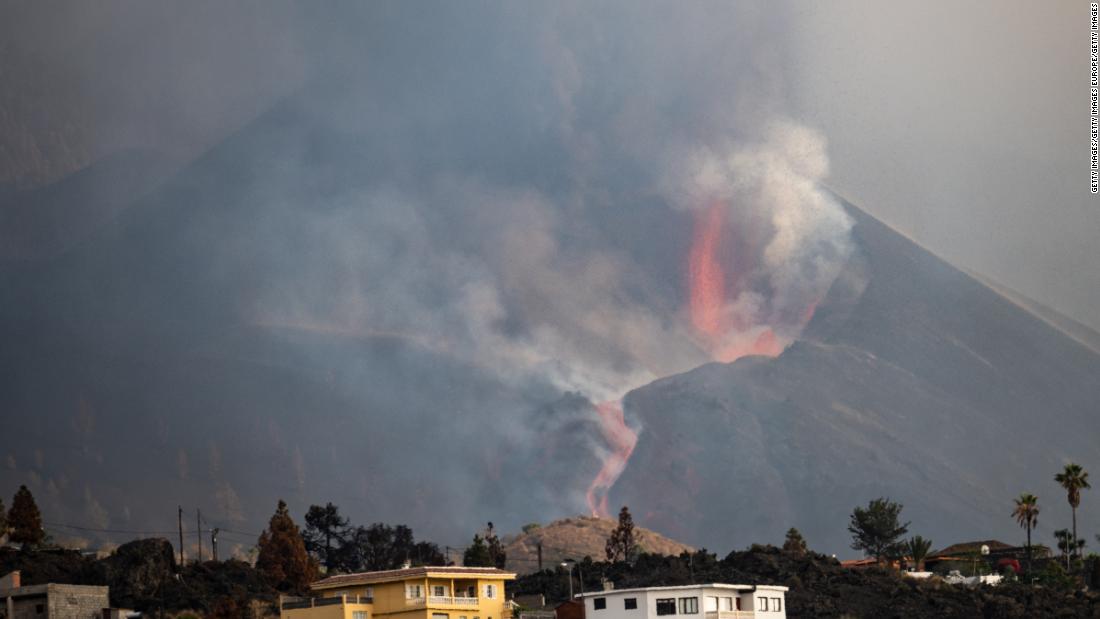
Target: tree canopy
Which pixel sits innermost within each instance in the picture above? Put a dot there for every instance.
(794, 543)
(283, 558)
(477, 554)
(622, 545)
(326, 534)
(24, 519)
(876, 529)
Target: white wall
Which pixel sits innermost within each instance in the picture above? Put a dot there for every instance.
(647, 602)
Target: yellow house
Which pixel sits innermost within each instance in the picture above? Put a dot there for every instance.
(413, 593)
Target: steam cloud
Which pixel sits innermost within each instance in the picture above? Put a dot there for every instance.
(521, 197)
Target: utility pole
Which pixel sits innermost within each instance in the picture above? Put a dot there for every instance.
(198, 531)
(214, 543)
(181, 534)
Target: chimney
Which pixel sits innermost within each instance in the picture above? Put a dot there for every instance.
(406, 565)
(10, 581)
(607, 584)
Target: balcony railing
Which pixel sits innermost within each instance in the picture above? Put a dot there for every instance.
(730, 614)
(295, 603)
(445, 600)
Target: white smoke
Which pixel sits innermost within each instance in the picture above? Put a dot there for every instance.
(799, 236)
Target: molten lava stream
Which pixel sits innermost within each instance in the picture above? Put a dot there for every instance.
(622, 440)
(706, 277)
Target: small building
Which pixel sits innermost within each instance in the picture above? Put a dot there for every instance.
(51, 601)
(569, 609)
(711, 601)
(965, 556)
(531, 607)
(448, 592)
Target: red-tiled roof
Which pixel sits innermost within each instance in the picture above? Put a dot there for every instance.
(970, 547)
(364, 578)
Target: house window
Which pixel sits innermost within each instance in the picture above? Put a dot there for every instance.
(777, 604)
(440, 616)
(358, 614)
(599, 603)
(39, 609)
(762, 603)
(414, 592)
(738, 602)
(439, 591)
(630, 603)
(689, 606)
(666, 606)
(490, 591)
(727, 604)
(711, 604)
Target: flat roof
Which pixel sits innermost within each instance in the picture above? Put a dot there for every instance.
(714, 585)
(445, 571)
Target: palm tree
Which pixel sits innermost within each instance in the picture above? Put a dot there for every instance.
(917, 547)
(1027, 516)
(1074, 479)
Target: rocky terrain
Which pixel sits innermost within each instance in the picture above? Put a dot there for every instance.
(142, 575)
(820, 587)
(576, 538)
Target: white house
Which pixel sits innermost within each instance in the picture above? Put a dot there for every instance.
(713, 601)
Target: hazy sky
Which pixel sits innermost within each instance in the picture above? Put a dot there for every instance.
(962, 125)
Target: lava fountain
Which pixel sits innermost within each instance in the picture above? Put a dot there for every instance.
(706, 277)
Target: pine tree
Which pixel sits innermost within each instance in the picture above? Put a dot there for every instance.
(24, 520)
(621, 545)
(477, 554)
(283, 559)
(794, 543)
(325, 534)
(497, 557)
(876, 529)
(3, 520)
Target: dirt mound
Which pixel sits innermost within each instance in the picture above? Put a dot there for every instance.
(576, 538)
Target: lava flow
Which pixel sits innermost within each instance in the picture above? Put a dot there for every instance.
(621, 439)
(706, 277)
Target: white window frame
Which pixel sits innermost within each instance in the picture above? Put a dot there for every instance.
(688, 605)
(439, 591)
(490, 591)
(358, 614)
(762, 602)
(410, 589)
(777, 604)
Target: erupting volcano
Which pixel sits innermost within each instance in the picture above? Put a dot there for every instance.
(724, 334)
(706, 277)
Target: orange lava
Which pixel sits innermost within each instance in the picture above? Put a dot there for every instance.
(622, 440)
(706, 277)
(766, 344)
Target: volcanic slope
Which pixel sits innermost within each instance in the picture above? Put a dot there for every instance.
(913, 381)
